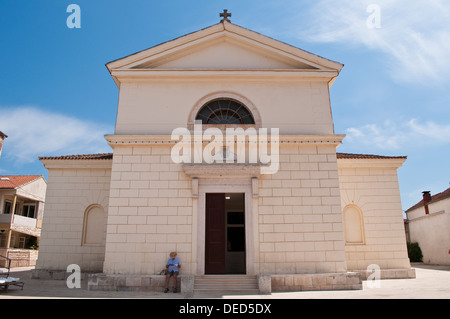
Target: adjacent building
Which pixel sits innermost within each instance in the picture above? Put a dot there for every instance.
(2, 138)
(22, 199)
(428, 224)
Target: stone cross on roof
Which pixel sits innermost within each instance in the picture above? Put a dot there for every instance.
(225, 16)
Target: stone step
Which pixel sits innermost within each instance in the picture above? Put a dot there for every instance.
(217, 292)
(228, 284)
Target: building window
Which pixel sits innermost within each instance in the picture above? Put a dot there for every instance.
(7, 207)
(3, 239)
(353, 225)
(21, 242)
(224, 111)
(28, 210)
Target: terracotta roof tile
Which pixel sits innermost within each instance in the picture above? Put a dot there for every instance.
(101, 156)
(365, 156)
(107, 156)
(437, 197)
(14, 181)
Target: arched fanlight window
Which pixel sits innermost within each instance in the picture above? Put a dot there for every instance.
(224, 111)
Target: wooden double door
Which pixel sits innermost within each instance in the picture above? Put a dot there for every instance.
(224, 233)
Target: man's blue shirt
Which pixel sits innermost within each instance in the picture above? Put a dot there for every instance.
(172, 262)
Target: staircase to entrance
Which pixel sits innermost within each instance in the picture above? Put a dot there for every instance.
(226, 284)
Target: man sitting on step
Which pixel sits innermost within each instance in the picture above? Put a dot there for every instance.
(173, 266)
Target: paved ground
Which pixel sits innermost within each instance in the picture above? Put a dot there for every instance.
(431, 282)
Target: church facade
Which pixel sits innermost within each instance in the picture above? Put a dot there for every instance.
(273, 199)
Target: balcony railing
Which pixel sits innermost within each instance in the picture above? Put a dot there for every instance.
(24, 221)
(18, 220)
(5, 218)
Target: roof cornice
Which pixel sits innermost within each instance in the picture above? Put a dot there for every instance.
(367, 161)
(118, 140)
(160, 48)
(278, 74)
(118, 67)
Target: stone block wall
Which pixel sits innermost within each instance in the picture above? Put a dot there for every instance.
(150, 211)
(311, 282)
(69, 194)
(300, 218)
(105, 282)
(374, 188)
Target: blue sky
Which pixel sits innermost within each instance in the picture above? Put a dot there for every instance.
(391, 98)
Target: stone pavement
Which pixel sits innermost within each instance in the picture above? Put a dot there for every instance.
(431, 282)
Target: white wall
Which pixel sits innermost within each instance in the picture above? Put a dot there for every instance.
(299, 217)
(150, 212)
(432, 231)
(35, 190)
(293, 107)
(373, 187)
(70, 192)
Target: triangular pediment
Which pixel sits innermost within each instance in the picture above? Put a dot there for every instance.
(223, 46)
(224, 53)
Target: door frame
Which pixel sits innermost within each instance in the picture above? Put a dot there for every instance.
(225, 185)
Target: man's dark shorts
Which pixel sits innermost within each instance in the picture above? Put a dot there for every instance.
(171, 273)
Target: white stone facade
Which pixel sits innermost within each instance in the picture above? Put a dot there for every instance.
(293, 219)
(371, 185)
(72, 192)
(300, 219)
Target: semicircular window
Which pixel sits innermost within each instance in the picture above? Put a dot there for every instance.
(224, 111)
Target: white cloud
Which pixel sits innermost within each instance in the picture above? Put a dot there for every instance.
(414, 35)
(33, 132)
(393, 135)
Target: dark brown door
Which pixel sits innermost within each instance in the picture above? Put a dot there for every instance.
(215, 234)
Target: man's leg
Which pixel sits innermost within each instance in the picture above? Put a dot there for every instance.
(167, 282)
(174, 282)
